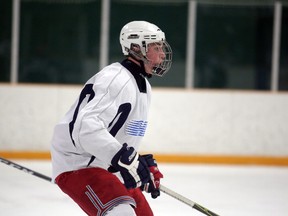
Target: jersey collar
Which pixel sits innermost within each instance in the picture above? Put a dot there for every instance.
(138, 72)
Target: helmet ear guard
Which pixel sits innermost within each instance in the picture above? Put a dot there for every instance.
(136, 49)
(134, 39)
(136, 53)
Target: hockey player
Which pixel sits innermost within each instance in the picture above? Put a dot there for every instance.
(94, 147)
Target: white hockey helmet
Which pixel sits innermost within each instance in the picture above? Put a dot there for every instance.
(142, 33)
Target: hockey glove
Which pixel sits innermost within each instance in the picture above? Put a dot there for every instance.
(153, 185)
(133, 168)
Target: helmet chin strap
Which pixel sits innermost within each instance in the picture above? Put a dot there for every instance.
(139, 58)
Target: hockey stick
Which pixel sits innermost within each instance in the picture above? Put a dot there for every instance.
(162, 188)
(187, 201)
(24, 169)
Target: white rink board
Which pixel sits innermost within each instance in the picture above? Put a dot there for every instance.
(180, 121)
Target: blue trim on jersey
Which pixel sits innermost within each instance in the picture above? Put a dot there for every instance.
(86, 91)
(136, 127)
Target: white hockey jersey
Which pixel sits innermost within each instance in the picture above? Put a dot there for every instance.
(111, 110)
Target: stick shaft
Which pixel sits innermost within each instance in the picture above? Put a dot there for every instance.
(24, 169)
(187, 201)
(177, 196)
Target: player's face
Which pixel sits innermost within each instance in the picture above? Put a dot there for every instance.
(155, 56)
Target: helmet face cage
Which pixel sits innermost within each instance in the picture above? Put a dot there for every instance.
(143, 33)
(165, 65)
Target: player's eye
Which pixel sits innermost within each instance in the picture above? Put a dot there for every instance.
(158, 48)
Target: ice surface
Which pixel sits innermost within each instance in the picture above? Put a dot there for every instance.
(226, 190)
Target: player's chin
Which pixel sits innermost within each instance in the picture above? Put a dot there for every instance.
(160, 61)
(149, 72)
